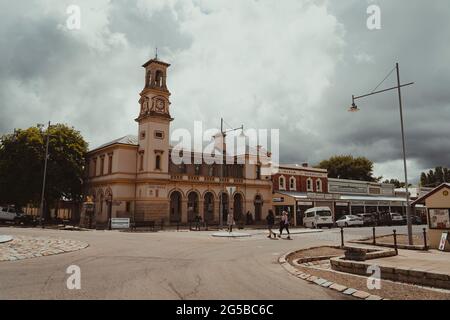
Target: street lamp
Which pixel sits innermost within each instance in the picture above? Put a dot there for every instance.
(224, 155)
(354, 108)
(45, 176)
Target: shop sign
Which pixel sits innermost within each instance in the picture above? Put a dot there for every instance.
(281, 199)
(342, 204)
(304, 203)
(444, 238)
(120, 223)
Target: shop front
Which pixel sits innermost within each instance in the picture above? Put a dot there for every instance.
(437, 203)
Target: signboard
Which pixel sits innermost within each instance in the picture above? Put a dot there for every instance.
(304, 203)
(443, 241)
(439, 218)
(341, 204)
(278, 199)
(120, 223)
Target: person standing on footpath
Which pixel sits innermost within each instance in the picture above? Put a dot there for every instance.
(230, 222)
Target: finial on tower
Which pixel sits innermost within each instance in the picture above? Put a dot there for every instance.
(156, 53)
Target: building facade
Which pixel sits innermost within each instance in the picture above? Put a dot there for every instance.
(134, 176)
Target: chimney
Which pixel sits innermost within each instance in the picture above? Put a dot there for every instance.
(305, 164)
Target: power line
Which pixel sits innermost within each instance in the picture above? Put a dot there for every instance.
(383, 80)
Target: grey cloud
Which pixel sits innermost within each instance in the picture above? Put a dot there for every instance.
(51, 74)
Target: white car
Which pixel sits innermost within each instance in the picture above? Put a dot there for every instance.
(350, 220)
(318, 217)
(9, 214)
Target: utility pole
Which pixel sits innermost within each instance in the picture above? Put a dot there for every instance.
(44, 178)
(408, 207)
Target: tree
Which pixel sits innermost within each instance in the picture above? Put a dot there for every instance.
(435, 177)
(348, 167)
(22, 161)
(397, 183)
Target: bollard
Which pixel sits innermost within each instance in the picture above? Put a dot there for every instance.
(395, 242)
(374, 242)
(425, 239)
(342, 237)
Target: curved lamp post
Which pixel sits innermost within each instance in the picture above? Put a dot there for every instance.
(354, 108)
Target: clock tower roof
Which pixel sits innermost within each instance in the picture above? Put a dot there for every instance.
(155, 60)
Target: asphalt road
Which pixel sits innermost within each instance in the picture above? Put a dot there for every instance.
(167, 265)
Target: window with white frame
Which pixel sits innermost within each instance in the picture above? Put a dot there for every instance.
(319, 185)
(282, 183)
(309, 184)
(292, 184)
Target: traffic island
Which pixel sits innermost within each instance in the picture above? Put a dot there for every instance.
(231, 235)
(314, 265)
(23, 247)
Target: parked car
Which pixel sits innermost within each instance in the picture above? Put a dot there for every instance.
(349, 221)
(318, 217)
(369, 219)
(397, 219)
(10, 214)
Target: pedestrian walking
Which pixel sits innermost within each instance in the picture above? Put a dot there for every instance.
(270, 222)
(284, 224)
(230, 222)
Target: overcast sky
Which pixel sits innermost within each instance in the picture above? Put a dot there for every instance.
(288, 64)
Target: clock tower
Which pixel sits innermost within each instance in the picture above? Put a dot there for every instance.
(154, 122)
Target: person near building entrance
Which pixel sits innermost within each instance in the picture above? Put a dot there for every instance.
(230, 222)
(249, 218)
(284, 224)
(270, 222)
(198, 221)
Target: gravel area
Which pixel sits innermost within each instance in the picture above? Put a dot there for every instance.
(390, 290)
(401, 239)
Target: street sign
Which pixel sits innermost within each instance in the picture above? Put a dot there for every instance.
(120, 223)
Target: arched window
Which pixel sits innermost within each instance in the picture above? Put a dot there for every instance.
(148, 79)
(319, 185)
(292, 184)
(309, 184)
(282, 183)
(158, 162)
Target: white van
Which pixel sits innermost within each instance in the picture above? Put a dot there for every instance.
(318, 217)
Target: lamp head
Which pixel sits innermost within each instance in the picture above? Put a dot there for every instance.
(353, 108)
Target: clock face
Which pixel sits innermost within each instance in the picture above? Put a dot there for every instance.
(160, 105)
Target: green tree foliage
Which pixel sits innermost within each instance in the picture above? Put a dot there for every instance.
(348, 167)
(435, 177)
(22, 164)
(397, 183)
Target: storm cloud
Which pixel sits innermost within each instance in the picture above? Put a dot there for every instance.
(291, 65)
